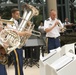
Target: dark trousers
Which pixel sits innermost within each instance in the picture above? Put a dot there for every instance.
(18, 61)
(53, 43)
(2, 70)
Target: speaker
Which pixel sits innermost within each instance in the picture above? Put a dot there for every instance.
(65, 65)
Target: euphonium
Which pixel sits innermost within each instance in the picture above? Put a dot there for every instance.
(9, 40)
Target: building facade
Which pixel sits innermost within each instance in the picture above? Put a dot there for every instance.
(64, 8)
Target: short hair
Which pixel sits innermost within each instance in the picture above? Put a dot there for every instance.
(52, 10)
(14, 10)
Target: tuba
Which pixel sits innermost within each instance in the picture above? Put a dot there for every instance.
(11, 38)
(29, 12)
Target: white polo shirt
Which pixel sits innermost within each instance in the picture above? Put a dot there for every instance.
(55, 31)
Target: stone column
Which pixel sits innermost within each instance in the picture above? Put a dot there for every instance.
(51, 4)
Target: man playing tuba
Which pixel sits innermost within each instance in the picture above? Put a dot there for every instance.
(20, 30)
(18, 52)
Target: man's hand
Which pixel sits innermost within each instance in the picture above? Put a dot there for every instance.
(28, 33)
(23, 33)
(5, 44)
(57, 22)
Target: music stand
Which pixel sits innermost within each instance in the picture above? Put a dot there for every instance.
(34, 43)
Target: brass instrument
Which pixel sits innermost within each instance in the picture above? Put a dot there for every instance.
(7, 21)
(29, 12)
(9, 40)
(62, 29)
(34, 32)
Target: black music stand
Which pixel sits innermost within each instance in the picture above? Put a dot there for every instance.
(34, 43)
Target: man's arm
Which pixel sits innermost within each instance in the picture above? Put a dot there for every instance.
(24, 33)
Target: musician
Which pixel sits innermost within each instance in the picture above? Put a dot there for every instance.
(17, 53)
(41, 27)
(52, 28)
(67, 23)
(2, 67)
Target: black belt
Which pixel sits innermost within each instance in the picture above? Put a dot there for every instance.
(53, 37)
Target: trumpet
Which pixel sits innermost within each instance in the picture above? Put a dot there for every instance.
(7, 21)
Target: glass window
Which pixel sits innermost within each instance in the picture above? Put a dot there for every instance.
(14, 1)
(58, 1)
(6, 11)
(64, 13)
(61, 9)
(63, 1)
(59, 13)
